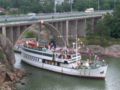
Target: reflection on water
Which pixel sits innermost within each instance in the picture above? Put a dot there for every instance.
(45, 80)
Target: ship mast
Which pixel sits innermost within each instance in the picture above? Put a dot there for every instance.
(76, 40)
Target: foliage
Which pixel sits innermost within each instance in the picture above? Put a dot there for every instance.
(115, 26)
(30, 35)
(46, 6)
(89, 28)
(97, 40)
(109, 26)
(102, 27)
(81, 5)
(107, 30)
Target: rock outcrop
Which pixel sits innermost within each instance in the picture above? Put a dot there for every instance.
(6, 47)
(113, 51)
(8, 74)
(97, 49)
(8, 78)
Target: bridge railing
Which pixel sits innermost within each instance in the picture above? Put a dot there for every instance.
(17, 18)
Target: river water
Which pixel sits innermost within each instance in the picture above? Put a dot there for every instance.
(40, 79)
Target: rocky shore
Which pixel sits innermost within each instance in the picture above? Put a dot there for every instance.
(8, 79)
(112, 51)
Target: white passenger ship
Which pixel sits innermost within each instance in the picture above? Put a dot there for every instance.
(63, 60)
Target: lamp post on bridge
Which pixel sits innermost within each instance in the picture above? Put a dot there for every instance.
(114, 4)
(98, 2)
(55, 2)
(71, 7)
(89, 3)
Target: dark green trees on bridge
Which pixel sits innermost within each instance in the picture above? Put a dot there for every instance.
(110, 24)
(46, 6)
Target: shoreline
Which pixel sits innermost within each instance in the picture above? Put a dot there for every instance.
(9, 79)
(111, 51)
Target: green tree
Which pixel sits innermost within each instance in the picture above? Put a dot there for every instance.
(30, 34)
(48, 6)
(25, 6)
(5, 3)
(81, 5)
(59, 8)
(113, 23)
(66, 6)
(110, 24)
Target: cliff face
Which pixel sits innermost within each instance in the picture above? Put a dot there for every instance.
(6, 48)
(8, 74)
(7, 60)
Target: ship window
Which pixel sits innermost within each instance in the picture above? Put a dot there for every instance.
(37, 59)
(58, 63)
(47, 54)
(43, 61)
(65, 62)
(31, 57)
(52, 62)
(34, 58)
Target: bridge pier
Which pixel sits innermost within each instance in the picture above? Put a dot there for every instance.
(0, 30)
(4, 30)
(18, 32)
(61, 27)
(9, 33)
(71, 29)
(93, 20)
(82, 25)
(12, 32)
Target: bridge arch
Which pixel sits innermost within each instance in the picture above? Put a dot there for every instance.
(42, 28)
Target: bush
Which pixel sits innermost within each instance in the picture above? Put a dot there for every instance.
(114, 41)
(97, 40)
(30, 35)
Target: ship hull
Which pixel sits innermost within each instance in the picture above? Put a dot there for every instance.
(98, 73)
